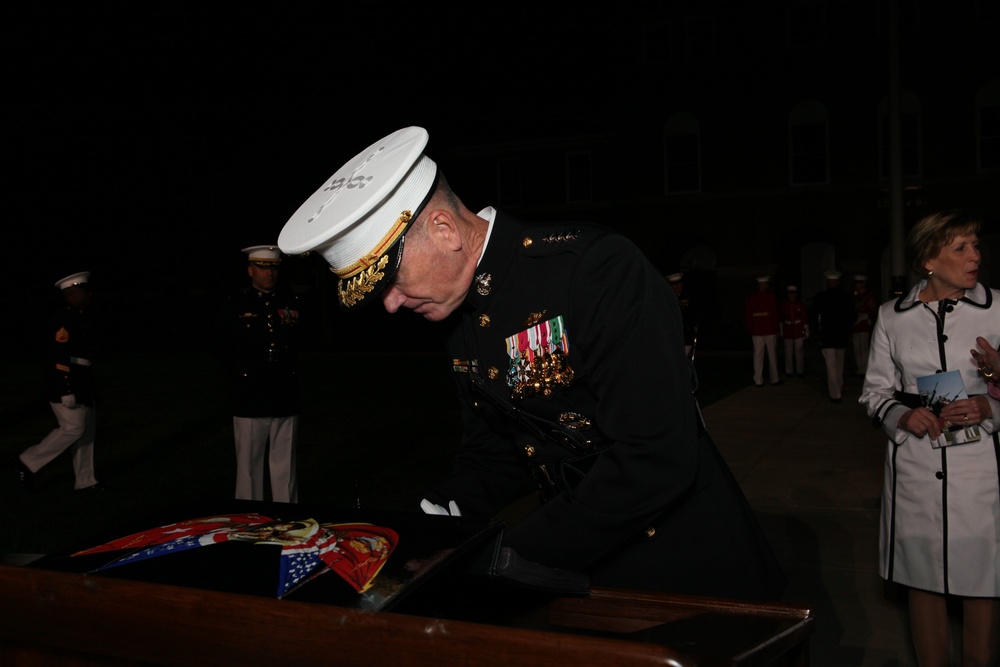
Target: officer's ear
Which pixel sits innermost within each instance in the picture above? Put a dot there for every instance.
(442, 227)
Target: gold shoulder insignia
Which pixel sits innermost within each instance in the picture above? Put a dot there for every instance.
(562, 237)
(551, 241)
(62, 336)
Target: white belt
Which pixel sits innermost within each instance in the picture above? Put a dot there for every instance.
(79, 361)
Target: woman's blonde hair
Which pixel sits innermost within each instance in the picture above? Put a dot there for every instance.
(933, 233)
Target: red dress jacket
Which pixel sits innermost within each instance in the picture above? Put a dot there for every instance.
(762, 314)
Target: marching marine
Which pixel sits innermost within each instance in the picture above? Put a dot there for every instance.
(70, 389)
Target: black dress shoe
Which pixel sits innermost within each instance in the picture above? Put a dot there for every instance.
(95, 487)
(836, 400)
(24, 475)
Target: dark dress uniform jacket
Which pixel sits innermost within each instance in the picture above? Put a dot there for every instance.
(833, 314)
(257, 340)
(71, 352)
(659, 509)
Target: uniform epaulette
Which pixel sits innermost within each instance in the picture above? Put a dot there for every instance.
(550, 240)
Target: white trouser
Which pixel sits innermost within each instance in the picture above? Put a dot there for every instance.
(860, 340)
(795, 351)
(760, 343)
(834, 358)
(76, 429)
(251, 436)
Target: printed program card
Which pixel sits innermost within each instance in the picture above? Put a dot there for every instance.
(937, 391)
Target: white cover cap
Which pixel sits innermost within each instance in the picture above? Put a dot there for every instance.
(264, 254)
(356, 219)
(73, 280)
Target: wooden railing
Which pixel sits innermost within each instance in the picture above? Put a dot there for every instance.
(60, 618)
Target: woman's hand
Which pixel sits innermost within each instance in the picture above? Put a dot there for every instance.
(964, 411)
(920, 422)
(988, 360)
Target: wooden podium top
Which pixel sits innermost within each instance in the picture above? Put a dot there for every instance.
(63, 618)
(218, 605)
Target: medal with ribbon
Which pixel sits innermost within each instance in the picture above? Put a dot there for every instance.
(537, 359)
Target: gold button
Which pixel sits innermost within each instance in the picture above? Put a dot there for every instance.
(475, 404)
(650, 531)
(526, 241)
(484, 321)
(493, 372)
(529, 450)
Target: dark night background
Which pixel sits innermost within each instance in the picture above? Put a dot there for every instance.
(145, 137)
(149, 142)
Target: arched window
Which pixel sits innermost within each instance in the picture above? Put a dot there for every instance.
(814, 260)
(988, 126)
(909, 135)
(682, 154)
(808, 144)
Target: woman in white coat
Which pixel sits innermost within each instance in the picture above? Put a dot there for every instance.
(940, 522)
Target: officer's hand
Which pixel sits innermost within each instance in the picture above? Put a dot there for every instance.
(69, 401)
(510, 566)
(431, 508)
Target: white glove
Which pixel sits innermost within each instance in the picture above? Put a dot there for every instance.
(69, 401)
(431, 508)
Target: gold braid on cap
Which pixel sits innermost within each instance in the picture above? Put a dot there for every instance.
(353, 290)
(360, 278)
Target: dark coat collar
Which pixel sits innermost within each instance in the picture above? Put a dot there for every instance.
(494, 267)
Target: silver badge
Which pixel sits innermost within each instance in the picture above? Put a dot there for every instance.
(483, 281)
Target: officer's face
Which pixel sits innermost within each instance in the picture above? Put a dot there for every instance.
(429, 281)
(263, 276)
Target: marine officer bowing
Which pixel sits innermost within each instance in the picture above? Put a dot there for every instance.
(568, 349)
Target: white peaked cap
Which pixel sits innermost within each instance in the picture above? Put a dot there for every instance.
(357, 218)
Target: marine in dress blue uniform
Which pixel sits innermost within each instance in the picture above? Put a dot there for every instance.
(257, 343)
(831, 316)
(70, 388)
(568, 351)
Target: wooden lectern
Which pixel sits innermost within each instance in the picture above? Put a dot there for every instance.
(209, 608)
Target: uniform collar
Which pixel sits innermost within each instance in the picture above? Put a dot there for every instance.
(496, 259)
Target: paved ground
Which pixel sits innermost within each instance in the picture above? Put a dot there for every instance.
(813, 469)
